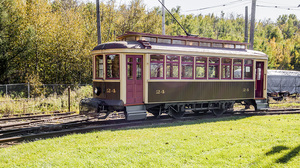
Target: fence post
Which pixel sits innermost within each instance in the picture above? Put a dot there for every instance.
(6, 90)
(69, 106)
(28, 90)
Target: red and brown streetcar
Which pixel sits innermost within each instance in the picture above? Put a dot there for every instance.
(171, 74)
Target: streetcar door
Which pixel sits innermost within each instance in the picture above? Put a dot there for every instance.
(134, 82)
(259, 86)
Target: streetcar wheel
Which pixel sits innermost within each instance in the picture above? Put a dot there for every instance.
(154, 111)
(218, 112)
(175, 111)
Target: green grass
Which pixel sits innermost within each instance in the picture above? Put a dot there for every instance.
(261, 141)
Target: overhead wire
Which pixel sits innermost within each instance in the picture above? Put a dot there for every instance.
(217, 6)
(280, 7)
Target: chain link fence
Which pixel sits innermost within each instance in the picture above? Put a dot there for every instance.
(28, 98)
(26, 90)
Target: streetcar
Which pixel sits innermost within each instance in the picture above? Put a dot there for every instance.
(145, 73)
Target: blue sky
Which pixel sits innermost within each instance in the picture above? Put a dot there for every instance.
(265, 10)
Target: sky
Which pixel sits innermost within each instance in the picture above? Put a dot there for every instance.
(265, 8)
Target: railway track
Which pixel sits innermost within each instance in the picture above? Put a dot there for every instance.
(83, 124)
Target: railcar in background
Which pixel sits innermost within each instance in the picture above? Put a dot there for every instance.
(158, 74)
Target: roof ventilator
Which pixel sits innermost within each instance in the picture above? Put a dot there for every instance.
(146, 44)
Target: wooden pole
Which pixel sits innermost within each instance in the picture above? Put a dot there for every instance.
(98, 21)
(252, 28)
(28, 89)
(246, 24)
(69, 98)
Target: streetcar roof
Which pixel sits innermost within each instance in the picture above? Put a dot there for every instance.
(139, 47)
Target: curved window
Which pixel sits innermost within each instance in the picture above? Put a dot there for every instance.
(187, 64)
(237, 68)
(112, 66)
(201, 63)
(157, 66)
(248, 69)
(172, 67)
(213, 69)
(99, 66)
(226, 68)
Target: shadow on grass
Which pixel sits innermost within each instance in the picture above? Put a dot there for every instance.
(277, 149)
(293, 153)
(178, 122)
(287, 157)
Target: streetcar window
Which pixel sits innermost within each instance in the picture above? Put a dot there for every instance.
(161, 40)
(240, 46)
(112, 66)
(226, 68)
(201, 67)
(131, 38)
(192, 43)
(157, 66)
(145, 38)
(172, 67)
(237, 68)
(217, 45)
(99, 66)
(203, 44)
(228, 45)
(178, 42)
(248, 72)
(153, 39)
(187, 64)
(213, 71)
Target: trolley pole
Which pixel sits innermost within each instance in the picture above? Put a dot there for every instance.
(246, 24)
(163, 18)
(98, 21)
(252, 28)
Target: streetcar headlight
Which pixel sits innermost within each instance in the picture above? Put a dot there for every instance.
(97, 91)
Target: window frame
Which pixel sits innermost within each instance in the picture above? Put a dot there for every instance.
(172, 62)
(97, 67)
(106, 65)
(163, 66)
(214, 64)
(233, 65)
(187, 63)
(226, 64)
(251, 68)
(205, 67)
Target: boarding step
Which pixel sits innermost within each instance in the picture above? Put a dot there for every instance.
(262, 104)
(138, 112)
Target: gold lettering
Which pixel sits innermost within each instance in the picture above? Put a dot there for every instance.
(160, 92)
(157, 91)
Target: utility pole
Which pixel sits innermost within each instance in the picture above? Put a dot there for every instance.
(163, 17)
(252, 24)
(246, 24)
(98, 21)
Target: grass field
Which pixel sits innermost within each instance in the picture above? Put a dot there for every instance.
(261, 141)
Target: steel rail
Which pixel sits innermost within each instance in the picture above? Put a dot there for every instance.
(28, 114)
(36, 116)
(39, 121)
